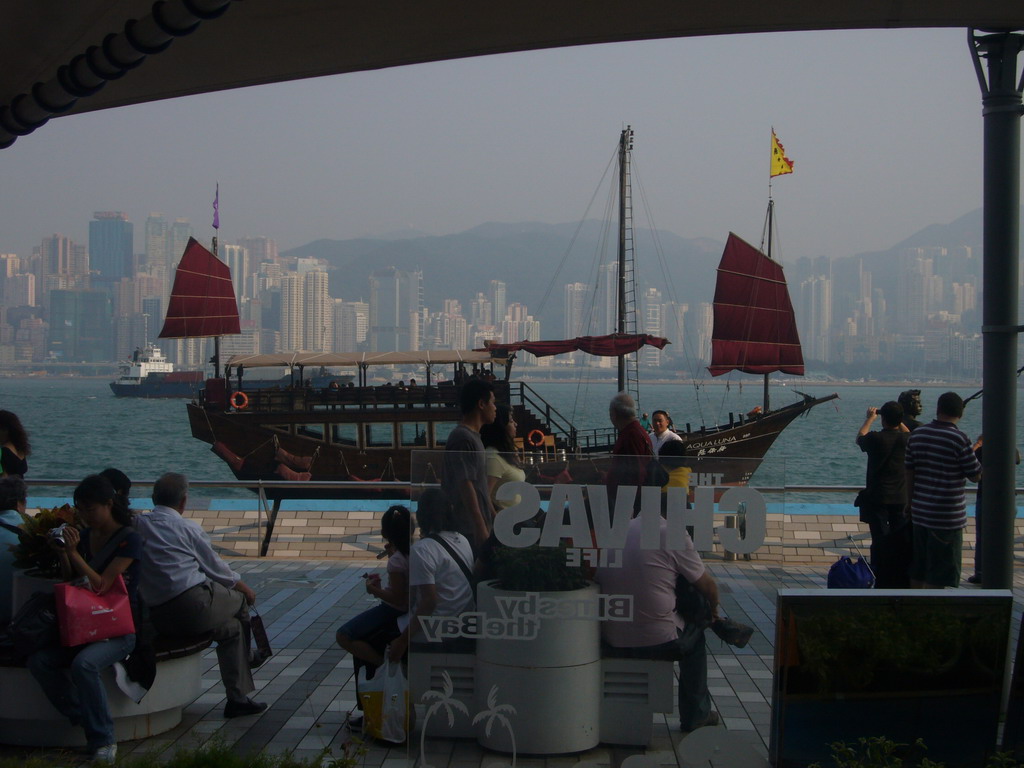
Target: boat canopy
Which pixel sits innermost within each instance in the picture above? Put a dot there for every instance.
(353, 359)
(755, 328)
(612, 345)
(202, 299)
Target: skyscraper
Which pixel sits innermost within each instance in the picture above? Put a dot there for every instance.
(156, 241)
(111, 238)
(261, 249)
(653, 324)
(178, 234)
(292, 328)
(499, 301)
(237, 259)
(318, 312)
(576, 315)
(395, 302)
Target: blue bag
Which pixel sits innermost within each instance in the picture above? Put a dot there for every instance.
(850, 574)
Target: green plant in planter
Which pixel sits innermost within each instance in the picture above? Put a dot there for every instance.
(536, 569)
(882, 752)
(33, 553)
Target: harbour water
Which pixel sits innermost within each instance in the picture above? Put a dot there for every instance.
(77, 426)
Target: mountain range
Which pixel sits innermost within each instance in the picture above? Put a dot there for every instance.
(537, 260)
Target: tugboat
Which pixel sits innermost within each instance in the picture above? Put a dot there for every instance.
(150, 374)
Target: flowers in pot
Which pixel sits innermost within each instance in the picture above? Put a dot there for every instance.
(32, 553)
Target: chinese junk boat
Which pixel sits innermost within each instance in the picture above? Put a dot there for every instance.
(368, 433)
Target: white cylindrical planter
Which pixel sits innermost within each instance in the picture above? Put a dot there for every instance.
(552, 681)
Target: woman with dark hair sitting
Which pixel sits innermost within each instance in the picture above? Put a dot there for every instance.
(107, 548)
(503, 464)
(440, 564)
(365, 635)
(14, 446)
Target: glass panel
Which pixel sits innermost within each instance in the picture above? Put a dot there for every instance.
(522, 669)
(379, 435)
(413, 433)
(344, 434)
(441, 431)
(315, 431)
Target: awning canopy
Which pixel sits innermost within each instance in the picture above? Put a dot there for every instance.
(612, 345)
(355, 359)
(59, 57)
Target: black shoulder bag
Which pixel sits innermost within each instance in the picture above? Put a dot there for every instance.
(458, 560)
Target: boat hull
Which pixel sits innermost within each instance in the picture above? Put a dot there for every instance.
(182, 384)
(304, 440)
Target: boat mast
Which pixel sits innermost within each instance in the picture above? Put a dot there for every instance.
(216, 339)
(216, 229)
(625, 245)
(771, 218)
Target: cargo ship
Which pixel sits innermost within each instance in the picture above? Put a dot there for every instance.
(150, 374)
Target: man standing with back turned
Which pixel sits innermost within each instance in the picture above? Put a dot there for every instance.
(939, 460)
(190, 590)
(464, 473)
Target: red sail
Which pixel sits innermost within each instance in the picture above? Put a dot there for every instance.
(613, 345)
(755, 328)
(203, 299)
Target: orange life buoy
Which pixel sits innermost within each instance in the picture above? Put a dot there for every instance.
(240, 400)
(535, 438)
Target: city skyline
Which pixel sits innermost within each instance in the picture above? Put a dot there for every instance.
(76, 303)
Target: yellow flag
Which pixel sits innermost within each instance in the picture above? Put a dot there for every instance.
(780, 163)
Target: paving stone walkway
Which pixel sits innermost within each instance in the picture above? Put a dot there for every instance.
(309, 686)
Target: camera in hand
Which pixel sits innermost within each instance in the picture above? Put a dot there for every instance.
(57, 534)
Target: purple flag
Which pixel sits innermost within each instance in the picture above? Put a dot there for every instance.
(216, 208)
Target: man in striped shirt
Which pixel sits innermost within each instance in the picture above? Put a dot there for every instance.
(939, 460)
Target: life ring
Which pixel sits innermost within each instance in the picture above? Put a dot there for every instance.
(535, 438)
(240, 401)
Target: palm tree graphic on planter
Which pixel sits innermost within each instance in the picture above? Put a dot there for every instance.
(442, 699)
(496, 713)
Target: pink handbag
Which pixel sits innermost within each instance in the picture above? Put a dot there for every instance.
(86, 617)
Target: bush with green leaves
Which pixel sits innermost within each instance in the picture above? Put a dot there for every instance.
(215, 754)
(882, 752)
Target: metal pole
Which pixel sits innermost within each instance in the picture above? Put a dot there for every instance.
(1001, 111)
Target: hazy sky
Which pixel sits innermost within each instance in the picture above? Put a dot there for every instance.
(885, 128)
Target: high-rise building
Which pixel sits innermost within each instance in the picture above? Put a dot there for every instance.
(607, 300)
(237, 259)
(576, 315)
(156, 241)
(653, 324)
(111, 238)
(499, 301)
(178, 234)
(396, 297)
(351, 325)
(292, 304)
(481, 311)
(80, 326)
(704, 326)
(62, 265)
(814, 317)
(261, 249)
(318, 313)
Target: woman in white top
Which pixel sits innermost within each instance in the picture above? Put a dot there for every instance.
(661, 431)
(500, 448)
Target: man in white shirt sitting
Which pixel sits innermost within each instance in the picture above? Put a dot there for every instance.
(190, 590)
